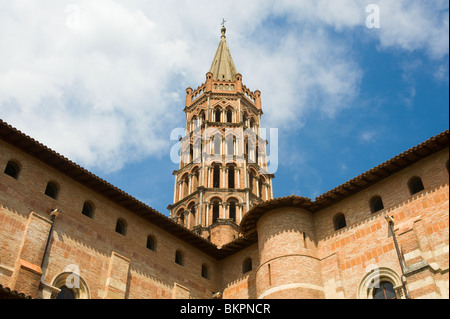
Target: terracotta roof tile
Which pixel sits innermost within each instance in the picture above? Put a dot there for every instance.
(77, 173)
(372, 176)
(8, 293)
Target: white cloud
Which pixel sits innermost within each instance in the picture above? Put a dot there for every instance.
(102, 82)
(308, 72)
(368, 136)
(415, 25)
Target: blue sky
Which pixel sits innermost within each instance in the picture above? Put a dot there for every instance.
(103, 83)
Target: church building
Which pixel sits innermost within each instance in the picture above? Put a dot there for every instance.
(65, 233)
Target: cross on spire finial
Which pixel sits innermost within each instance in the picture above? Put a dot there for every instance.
(223, 29)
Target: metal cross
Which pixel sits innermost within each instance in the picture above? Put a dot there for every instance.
(223, 22)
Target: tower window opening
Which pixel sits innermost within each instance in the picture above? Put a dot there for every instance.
(233, 211)
(217, 146)
(229, 116)
(230, 140)
(250, 181)
(185, 185)
(217, 115)
(215, 211)
(256, 155)
(216, 177)
(231, 177)
(260, 188)
(181, 218)
(192, 213)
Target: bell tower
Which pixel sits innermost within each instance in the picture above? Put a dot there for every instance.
(223, 163)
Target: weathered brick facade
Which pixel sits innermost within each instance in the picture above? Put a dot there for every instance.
(290, 247)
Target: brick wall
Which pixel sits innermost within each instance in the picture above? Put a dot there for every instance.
(307, 256)
(91, 244)
(421, 227)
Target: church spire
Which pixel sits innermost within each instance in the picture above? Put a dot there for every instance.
(222, 67)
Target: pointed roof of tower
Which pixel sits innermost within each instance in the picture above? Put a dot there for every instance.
(222, 67)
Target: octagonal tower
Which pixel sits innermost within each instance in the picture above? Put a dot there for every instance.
(223, 163)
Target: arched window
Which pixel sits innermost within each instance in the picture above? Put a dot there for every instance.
(217, 115)
(376, 204)
(233, 211)
(51, 190)
(250, 181)
(247, 265)
(180, 216)
(229, 116)
(196, 178)
(380, 283)
(256, 155)
(260, 188)
(12, 169)
(202, 117)
(229, 141)
(205, 271)
(215, 211)
(121, 227)
(151, 243)
(217, 144)
(384, 291)
(230, 176)
(71, 285)
(179, 258)
(185, 181)
(339, 221)
(194, 122)
(88, 210)
(65, 293)
(415, 185)
(192, 212)
(216, 176)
